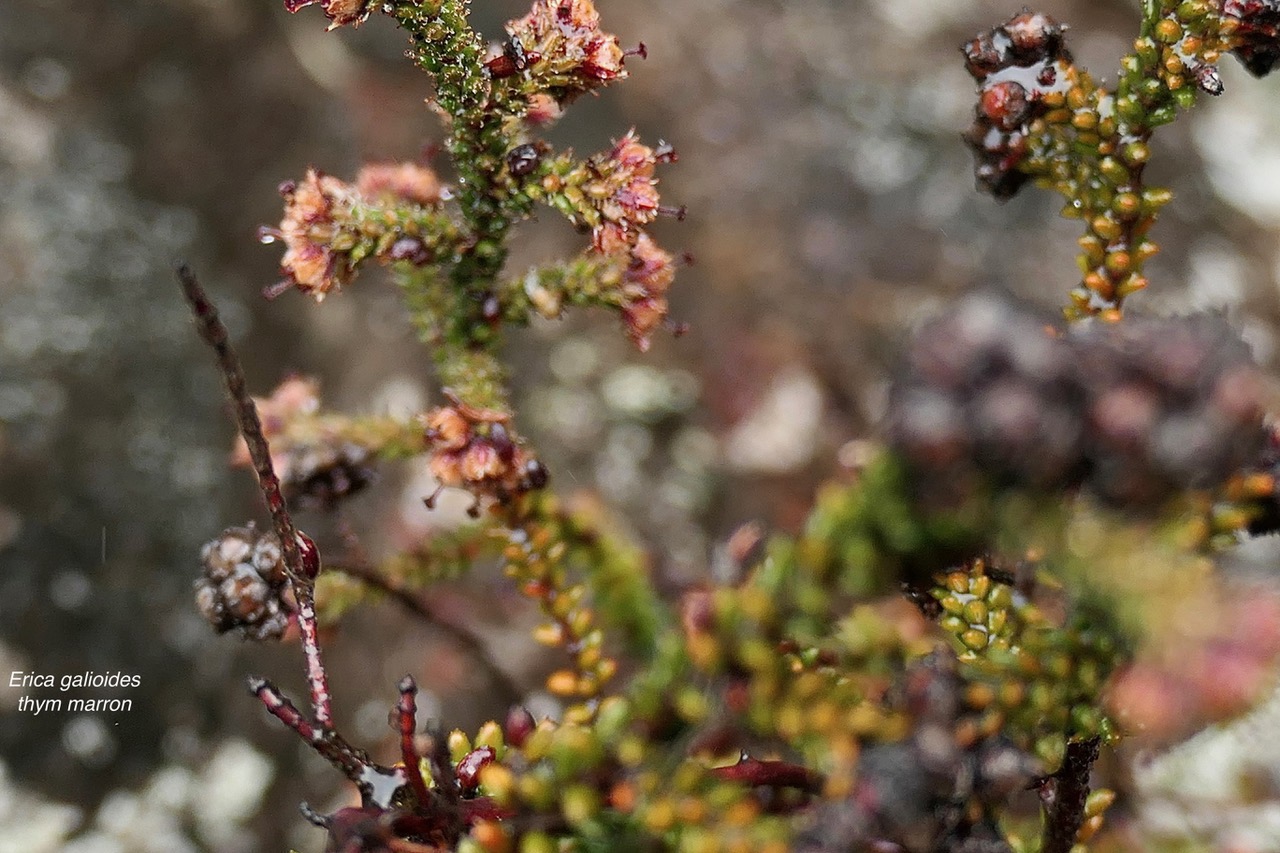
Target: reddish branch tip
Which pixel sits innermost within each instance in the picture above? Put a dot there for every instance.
(518, 726)
(772, 774)
(407, 714)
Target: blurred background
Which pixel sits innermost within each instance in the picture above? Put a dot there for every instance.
(831, 207)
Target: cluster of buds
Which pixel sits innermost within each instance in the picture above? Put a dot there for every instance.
(560, 46)
(1023, 70)
(330, 226)
(315, 471)
(244, 584)
(1036, 682)
(340, 12)
(1256, 35)
(1186, 45)
(1136, 411)
(474, 449)
(534, 556)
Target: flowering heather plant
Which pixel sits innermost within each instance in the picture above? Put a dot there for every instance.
(1021, 578)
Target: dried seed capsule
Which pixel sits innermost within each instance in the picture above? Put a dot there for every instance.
(320, 475)
(243, 584)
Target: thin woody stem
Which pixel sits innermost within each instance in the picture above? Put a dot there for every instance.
(301, 567)
(351, 761)
(1065, 814)
(215, 334)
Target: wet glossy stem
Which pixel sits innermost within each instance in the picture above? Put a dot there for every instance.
(215, 334)
(407, 713)
(771, 774)
(1065, 814)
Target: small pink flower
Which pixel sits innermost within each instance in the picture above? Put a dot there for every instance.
(542, 110)
(472, 449)
(406, 181)
(562, 43)
(647, 274)
(622, 186)
(307, 229)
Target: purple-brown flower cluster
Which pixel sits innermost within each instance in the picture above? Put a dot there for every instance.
(244, 585)
(1135, 412)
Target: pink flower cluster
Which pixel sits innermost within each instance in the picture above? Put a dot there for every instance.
(624, 191)
(474, 450)
(318, 229)
(561, 41)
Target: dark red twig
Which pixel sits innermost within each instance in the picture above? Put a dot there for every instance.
(483, 808)
(351, 761)
(771, 774)
(215, 334)
(407, 719)
(301, 567)
(1064, 814)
